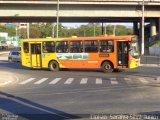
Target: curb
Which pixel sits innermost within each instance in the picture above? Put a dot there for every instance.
(4, 52)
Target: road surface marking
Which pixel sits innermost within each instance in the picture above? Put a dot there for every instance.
(41, 81)
(27, 81)
(98, 80)
(113, 81)
(143, 80)
(69, 81)
(56, 80)
(5, 83)
(84, 81)
(158, 79)
(128, 80)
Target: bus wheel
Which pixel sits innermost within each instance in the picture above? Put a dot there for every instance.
(107, 67)
(54, 66)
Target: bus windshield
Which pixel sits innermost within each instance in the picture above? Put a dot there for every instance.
(134, 49)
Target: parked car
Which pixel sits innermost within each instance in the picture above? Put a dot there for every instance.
(14, 56)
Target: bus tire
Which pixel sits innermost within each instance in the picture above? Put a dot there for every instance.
(107, 67)
(54, 66)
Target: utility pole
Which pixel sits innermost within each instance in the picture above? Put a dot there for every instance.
(105, 28)
(94, 29)
(53, 34)
(114, 30)
(16, 31)
(102, 29)
(142, 47)
(57, 18)
(27, 30)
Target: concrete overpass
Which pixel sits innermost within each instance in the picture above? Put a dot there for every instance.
(82, 11)
(78, 10)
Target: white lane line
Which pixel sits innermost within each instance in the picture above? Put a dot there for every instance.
(128, 80)
(56, 80)
(113, 81)
(69, 81)
(41, 81)
(5, 83)
(98, 80)
(143, 80)
(27, 81)
(84, 81)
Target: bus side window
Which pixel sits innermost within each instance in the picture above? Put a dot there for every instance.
(91, 46)
(76, 46)
(62, 47)
(26, 47)
(106, 46)
(48, 47)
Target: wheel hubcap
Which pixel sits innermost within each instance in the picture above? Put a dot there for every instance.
(53, 66)
(107, 67)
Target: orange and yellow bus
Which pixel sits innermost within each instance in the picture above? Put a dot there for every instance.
(106, 52)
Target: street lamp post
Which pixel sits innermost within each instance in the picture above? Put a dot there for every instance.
(142, 46)
(27, 30)
(53, 34)
(57, 18)
(114, 30)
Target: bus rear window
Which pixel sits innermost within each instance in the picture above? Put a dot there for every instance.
(26, 47)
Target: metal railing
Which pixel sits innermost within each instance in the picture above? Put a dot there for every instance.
(150, 60)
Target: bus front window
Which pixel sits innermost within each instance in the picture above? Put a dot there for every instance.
(134, 50)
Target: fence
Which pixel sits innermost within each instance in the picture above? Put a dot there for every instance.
(154, 60)
(154, 51)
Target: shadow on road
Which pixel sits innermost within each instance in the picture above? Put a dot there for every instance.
(13, 65)
(26, 109)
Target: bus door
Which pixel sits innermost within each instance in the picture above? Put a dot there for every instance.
(122, 54)
(36, 55)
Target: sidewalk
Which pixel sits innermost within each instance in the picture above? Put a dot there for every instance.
(4, 52)
(150, 61)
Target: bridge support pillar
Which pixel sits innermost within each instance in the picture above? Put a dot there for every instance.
(135, 28)
(159, 28)
(152, 29)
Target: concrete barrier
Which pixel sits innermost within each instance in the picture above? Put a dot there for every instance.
(154, 50)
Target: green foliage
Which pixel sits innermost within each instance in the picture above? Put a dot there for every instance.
(9, 29)
(45, 30)
(155, 43)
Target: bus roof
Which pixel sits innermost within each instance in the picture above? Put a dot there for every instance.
(104, 37)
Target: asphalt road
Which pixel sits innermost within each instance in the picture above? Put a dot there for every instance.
(78, 94)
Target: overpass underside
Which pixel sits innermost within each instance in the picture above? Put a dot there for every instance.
(76, 12)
